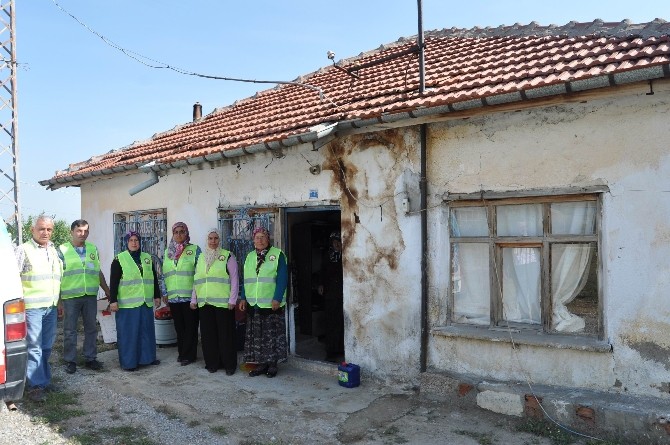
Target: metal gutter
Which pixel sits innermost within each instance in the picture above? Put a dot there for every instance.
(320, 133)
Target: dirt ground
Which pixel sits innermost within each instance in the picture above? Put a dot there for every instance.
(304, 404)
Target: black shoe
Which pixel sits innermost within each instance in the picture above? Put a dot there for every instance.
(70, 367)
(155, 362)
(94, 365)
(211, 370)
(258, 371)
(271, 372)
(130, 369)
(186, 362)
(230, 371)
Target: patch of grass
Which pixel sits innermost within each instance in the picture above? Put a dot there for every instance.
(481, 438)
(127, 435)
(169, 412)
(193, 423)
(557, 435)
(87, 439)
(220, 430)
(56, 408)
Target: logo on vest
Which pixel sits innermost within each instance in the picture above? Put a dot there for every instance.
(222, 258)
(273, 257)
(189, 252)
(92, 256)
(147, 261)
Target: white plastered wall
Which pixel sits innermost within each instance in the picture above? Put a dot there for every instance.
(622, 142)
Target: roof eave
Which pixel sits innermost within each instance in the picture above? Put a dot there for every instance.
(326, 131)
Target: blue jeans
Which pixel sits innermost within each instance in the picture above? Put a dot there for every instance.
(87, 306)
(41, 325)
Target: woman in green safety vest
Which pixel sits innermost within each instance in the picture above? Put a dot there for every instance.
(179, 262)
(263, 296)
(215, 295)
(133, 293)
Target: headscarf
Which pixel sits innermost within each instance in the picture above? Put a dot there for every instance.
(136, 254)
(260, 254)
(333, 255)
(211, 255)
(175, 249)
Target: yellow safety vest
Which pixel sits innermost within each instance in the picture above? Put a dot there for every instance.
(179, 278)
(260, 288)
(213, 286)
(135, 288)
(80, 278)
(41, 285)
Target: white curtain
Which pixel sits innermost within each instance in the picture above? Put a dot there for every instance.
(570, 262)
(521, 265)
(470, 281)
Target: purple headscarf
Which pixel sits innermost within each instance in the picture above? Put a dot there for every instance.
(175, 249)
(136, 254)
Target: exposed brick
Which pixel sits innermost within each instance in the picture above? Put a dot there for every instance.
(586, 413)
(464, 388)
(532, 406)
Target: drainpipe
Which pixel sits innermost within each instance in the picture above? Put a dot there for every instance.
(423, 207)
(153, 180)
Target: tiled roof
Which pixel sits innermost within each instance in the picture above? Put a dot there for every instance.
(464, 68)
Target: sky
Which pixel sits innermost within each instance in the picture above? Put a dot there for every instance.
(78, 96)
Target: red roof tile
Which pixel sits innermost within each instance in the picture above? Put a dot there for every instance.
(460, 65)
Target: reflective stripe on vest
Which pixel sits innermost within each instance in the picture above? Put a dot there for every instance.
(41, 285)
(80, 278)
(135, 288)
(213, 286)
(179, 278)
(260, 288)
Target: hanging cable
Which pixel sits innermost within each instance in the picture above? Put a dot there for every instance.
(152, 63)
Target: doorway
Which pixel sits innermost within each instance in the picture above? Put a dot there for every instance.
(309, 233)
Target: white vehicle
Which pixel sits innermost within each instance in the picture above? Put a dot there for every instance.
(13, 355)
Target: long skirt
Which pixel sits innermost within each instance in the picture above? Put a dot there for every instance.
(266, 336)
(135, 336)
(217, 333)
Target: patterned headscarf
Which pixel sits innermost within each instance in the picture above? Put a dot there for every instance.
(175, 249)
(260, 254)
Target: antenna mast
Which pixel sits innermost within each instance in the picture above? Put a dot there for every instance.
(9, 149)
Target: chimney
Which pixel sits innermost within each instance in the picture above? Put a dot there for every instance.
(197, 112)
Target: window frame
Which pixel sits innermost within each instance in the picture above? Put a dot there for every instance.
(496, 244)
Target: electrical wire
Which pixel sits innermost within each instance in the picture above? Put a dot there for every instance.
(153, 63)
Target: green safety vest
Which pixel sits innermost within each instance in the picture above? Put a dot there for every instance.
(213, 286)
(41, 285)
(135, 288)
(260, 288)
(80, 278)
(179, 278)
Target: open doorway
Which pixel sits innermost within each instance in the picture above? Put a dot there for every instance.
(317, 317)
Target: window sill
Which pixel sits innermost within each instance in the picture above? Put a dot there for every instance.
(521, 337)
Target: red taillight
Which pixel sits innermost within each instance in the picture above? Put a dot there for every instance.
(15, 320)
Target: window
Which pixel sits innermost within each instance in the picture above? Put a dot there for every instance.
(237, 226)
(529, 263)
(152, 227)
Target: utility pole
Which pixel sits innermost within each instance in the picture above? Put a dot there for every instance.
(9, 148)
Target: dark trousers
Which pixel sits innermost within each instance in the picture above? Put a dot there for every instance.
(217, 334)
(186, 325)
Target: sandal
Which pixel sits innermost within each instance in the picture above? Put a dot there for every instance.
(258, 371)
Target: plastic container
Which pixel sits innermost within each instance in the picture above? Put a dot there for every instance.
(165, 332)
(349, 375)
